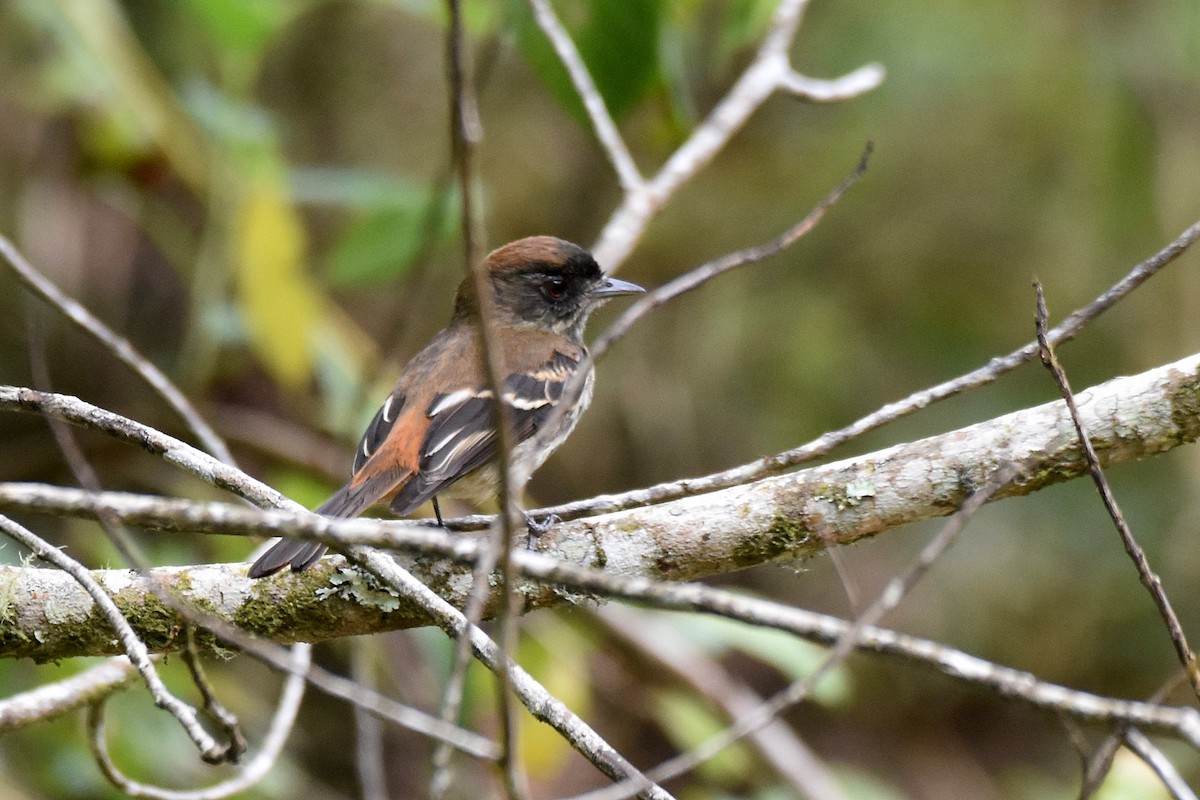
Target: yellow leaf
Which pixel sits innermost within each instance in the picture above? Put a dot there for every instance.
(558, 657)
(279, 303)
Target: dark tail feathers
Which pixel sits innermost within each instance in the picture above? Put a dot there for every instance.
(346, 502)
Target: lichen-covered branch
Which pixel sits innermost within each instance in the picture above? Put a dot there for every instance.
(43, 615)
(54, 699)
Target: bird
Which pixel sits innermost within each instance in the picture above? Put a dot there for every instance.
(435, 432)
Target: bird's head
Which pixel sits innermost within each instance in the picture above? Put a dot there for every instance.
(546, 283)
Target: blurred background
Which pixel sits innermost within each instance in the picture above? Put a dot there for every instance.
(258, 195)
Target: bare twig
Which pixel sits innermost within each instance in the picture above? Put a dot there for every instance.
(210, 750)
(540, 703)
(369, 700)
(252, 773)
(1094, 764)
(769, 72)
(846, 643)
(1147, 575)
(120, 347)
(602, 122)
(1097, 765)
(1139, 744)
(60, 697)
(467, 130)
(212, 704)
(369, 759)
(751, 255)
(824, 444)
(678, 660)
(452, 695)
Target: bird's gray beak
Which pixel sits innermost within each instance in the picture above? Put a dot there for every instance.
(611, 287)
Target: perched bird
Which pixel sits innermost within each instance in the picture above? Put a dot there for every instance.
(436, 429)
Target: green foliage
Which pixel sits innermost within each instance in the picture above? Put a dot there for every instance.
(240, 27)
(618, 40)
(793, 657)
(396, 221)
(206, 188)
(689, 722)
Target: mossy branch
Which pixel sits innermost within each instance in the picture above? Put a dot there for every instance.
(45, 616)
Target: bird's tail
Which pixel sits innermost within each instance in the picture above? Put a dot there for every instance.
(348, 501)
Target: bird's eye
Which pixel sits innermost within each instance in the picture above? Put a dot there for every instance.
(554, 288)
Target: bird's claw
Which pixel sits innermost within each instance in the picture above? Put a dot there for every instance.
(538, 528)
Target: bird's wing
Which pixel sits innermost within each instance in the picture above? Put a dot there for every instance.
(386, 456)
(372, 479)
(461, 435)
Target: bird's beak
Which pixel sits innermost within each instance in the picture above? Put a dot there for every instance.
(611, 287)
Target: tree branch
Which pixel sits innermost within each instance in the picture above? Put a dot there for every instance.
(782, 517)
(771, 71)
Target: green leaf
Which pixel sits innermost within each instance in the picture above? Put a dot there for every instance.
(378, 247)
(617, 40)
(354, 188)
(745, 23)
(688, 722)
(242, 25)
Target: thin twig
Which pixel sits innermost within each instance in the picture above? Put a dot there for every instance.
(1096, 767)
(693, 279)
(1141, 746)
(846, 643)
(369, 761)
(1147, 575)
(272, 745)
(686, 597)
(52, 700)
(769, 72)
(826, 443)
(120, 347)
(369, 700)
(452, 695)
(602, 122)
(676, 660)
(210, 750)
(212, 704)
(540, 703)
(467, 130)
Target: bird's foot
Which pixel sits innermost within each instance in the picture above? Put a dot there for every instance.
(539, 528)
